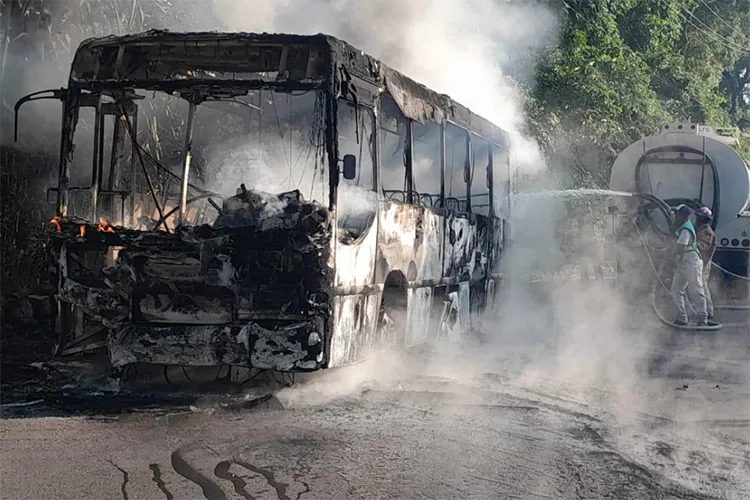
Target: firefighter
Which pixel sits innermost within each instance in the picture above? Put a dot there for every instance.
(688, 270)
(707, 246)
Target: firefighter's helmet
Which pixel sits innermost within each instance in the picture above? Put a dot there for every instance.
(704, 213)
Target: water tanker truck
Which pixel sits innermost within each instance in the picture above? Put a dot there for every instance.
(685, 163)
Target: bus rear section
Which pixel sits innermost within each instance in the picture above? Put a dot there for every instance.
(420, 224)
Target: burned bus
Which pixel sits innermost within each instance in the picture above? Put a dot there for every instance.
(271, 201)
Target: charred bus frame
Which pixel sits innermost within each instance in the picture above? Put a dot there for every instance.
(413, 263)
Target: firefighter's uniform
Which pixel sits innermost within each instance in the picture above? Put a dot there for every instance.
(688, 275)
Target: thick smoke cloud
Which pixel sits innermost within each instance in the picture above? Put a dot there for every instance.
(470, 50)
(466, 49)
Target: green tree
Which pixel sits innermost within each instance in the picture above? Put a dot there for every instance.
(624, 67)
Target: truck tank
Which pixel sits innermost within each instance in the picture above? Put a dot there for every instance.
(696, 165)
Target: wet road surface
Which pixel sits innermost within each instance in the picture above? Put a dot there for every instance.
(414, 447)
(476, 423)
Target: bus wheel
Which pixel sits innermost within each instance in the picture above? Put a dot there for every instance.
(392, 315)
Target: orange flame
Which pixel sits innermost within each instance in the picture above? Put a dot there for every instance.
(82, 230)
(56, 221)
(104, 226)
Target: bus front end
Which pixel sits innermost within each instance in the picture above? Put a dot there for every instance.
(194, 221)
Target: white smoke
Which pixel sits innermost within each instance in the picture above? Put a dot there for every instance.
(265, 169)
(465, 49)
(472, 50)
(354, 200)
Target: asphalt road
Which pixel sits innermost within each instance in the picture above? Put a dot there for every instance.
(640, 414)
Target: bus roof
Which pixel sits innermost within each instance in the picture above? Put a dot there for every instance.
(124, 60)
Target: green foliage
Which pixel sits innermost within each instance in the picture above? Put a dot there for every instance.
(624, 67)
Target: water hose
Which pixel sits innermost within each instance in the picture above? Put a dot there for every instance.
(645, 212)
(660, 281)
(663, 207)
(667, 212)
(665, 321)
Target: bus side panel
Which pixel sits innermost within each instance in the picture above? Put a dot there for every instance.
(463, 239)
(418, 315)
(354, 329)
(496, 247)
(464, 313)
(468, 257)
(497, 250)
(409, 240)
(449, 242)
(355, 262)
(430, 256)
